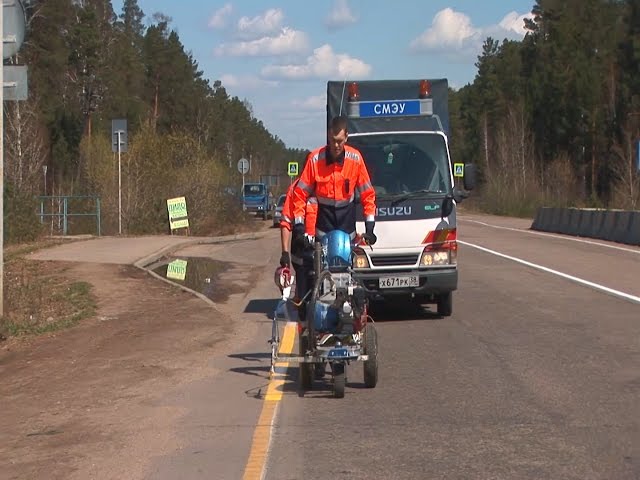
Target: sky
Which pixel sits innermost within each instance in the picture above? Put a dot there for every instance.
(279, 55)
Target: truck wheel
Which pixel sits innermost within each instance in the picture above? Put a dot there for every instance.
(445, 304)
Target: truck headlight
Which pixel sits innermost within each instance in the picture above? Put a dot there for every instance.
(444, 254)
(360, 260)
(435, 258)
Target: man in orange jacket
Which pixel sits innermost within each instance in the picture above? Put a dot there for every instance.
(293, 251)
(333, 173)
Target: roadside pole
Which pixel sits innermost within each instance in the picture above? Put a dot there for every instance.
(2, 164)
(119, 185)
(243, 167)
(119, 145)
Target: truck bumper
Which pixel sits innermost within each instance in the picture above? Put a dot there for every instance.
(254, 208)
(433, 282)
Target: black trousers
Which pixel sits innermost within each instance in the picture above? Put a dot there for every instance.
(304, 280)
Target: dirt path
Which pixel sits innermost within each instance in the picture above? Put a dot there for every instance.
(86, 403)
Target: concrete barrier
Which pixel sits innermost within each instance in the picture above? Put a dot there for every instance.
(586, 221)
(621, 226)
(541, 220)
(554, 219)
(621, 231)
(596, 224)
(574, 221)
(564, 221)
(609, 227)
(634, 229)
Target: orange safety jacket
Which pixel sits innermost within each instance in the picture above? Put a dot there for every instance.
(311, 212)
(334, 183)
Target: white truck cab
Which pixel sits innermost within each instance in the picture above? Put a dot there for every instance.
(401, 129)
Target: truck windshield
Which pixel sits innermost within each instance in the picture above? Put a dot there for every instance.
(405, 163)
(253, 190)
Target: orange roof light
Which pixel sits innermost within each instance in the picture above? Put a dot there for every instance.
(353, 92)
(425, 88)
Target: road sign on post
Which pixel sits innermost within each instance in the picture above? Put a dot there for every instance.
(15, 83)
(119, 137)
(14, 22)
(458, 169)
(119, 144)
(178, 217)
(292, 169)
(243, 168)
(12, 31)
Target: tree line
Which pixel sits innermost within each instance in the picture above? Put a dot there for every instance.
(554, 119)
(550, 120)
(88, 65)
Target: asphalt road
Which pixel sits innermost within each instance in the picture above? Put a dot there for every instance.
(534, 376)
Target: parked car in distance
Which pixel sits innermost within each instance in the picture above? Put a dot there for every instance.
(277, 211)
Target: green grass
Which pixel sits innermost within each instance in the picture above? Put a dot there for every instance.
(76, 299)
(39, 298)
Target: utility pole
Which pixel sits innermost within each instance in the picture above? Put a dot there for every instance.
(16, 25)
(119, 132)
(119, 145)
(2, 163)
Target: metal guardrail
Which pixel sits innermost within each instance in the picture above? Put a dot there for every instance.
(65, 214)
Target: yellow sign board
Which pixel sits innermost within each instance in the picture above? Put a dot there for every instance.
(177, 270)
(292, 169)
(177, 208)
(458, 169)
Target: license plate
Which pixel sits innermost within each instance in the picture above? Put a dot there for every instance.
(399, 281)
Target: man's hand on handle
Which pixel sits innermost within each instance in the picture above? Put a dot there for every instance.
(369, 237)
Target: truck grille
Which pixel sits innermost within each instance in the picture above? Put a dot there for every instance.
(391, 260)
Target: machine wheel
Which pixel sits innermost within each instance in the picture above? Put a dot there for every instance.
(339, 380)
(445, 304)
(306, 369)
(371, 349)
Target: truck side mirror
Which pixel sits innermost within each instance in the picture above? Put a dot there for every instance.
(469, 178)
(447, 206)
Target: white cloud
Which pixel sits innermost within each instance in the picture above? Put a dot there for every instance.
(219, 17)
(288, 41)
(246, 82)
(314, 103)
(340, 15)
(449, 30)
(453, 33)
(267, 24)
(512, 22)
(323, 63)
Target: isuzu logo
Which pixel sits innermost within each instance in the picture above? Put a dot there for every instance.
(393, 211)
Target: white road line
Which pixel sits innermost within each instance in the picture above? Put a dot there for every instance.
(597, 286)
(546, 234)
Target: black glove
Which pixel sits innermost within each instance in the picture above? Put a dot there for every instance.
(297, 236)
(285, 259)
(369, 236)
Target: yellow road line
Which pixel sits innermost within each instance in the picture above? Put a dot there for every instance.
(262, 434)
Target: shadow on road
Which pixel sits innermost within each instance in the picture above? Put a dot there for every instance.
(265, 306)
(382, 312)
